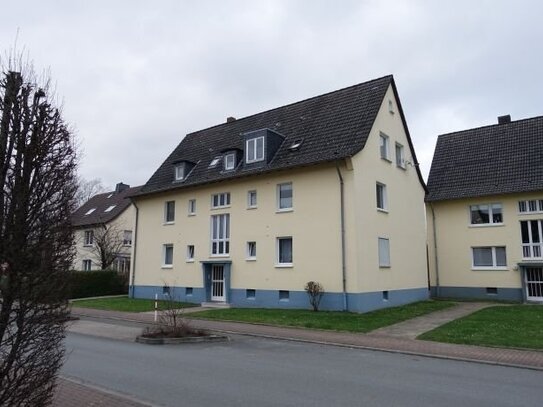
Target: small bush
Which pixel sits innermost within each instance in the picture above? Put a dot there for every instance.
(85, 284)
(315, 291)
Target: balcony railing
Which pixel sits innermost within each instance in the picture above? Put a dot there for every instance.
(532, 250)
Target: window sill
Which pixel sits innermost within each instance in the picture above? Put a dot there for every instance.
(168, 223)
(382, 210)
(215, 256)
(215, 208)
(486, 225)
(250, 259)
(88, 245)
(189, 261)
(284, 210)
(388, 160)
(384, 267)
(191, 214)
(284, 266)
(401, 167)
(489, 269)
(252, 207)
(166, 267)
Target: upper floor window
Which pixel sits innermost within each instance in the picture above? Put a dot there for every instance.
(230, 161)
(192, 207)
(167, 255)
(89, 238)
(284, 196)
(251, 199)
(381, 196)
(190, 252)
(251, 250)
(486, 214)
(254, 149)
(220, 234)
(488, 257)
(220, 200)
(532, 238)
(400, 158)
(384, 146)
(531, 206)
(169, 212)
(127, 238)
(180, 172)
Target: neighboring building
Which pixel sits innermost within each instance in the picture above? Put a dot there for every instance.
(107, 221)
(327, 189)
(485, 212)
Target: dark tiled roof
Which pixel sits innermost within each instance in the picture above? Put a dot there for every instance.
(497, 159)
(100, 203)
(333, 126)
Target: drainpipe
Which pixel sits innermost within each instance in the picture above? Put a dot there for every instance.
(342, 212)
(134, 247)
(435, 248)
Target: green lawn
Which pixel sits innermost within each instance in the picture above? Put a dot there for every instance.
(124, 304)
(517, 326)
(330, 320)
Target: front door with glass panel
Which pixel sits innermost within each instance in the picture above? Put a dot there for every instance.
(533, 278)
(217, 283)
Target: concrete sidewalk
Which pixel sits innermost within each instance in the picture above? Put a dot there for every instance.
(497, 356)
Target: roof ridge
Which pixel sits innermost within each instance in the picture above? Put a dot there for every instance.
(490, 125)
(291, 104)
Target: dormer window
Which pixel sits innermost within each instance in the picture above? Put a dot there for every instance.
(254, 150)
(230, 161)
(180, 172)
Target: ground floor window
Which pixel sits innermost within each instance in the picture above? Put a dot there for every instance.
(284, 251)
(384, 252)
(122, 265)
(489, 257)
(87, 265)
(167, 255)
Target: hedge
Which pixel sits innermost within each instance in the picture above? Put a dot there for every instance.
(85, 284)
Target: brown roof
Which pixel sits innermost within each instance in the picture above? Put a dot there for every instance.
(100, 203)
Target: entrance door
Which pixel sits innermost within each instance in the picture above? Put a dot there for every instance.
(533, 277)
(217, 283)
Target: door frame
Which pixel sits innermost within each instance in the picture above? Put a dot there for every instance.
(207, 267)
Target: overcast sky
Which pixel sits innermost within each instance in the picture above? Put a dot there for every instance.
(136, 76)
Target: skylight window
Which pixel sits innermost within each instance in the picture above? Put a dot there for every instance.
(90, 211)
(110, 208)
(296, 144)
(214, 162)
(110, 195)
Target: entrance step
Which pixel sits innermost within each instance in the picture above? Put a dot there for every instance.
(214, 304)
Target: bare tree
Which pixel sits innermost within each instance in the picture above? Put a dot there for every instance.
(315, 291)
(108, 244)
(37, 189)
(86, 189)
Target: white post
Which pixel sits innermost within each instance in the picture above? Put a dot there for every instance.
(156, 307)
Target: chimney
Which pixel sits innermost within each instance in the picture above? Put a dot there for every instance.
(504, 119)
(230, 119)
(120, 187)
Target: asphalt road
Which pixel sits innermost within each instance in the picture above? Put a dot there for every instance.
(261, 372)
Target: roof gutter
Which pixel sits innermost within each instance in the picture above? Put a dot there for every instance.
(135, 246)
(343, 256)
(435, 248)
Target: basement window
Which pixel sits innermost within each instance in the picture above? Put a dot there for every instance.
(492, 290)
(284, 295)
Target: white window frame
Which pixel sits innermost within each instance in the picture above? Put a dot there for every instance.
(251, 193)
(286, 208)
(383, 197)
(384, 144)
(88, 238)
(190, 253)
(490, 215)
(525, 206)
(222, 196)
(230, 161)
(400, 158)
(278, 263)
(251, 148)
(180, 172)
(494, 265)
(87, 265)
(165, 247)
(166, 221)
(223, 225)
(531, 247)
(192, 207)
(127, 238)
(251, 256)
(383, 256)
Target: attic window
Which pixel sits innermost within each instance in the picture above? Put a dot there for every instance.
(214, 162)
(110, 208)
(230, 161)
(254, 150)
(90, 211)
(390, 107)
(109, 196)
(180, 172)
(296, 144)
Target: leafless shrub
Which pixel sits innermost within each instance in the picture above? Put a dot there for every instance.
(315, 291)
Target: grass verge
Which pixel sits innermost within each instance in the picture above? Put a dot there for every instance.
(515, 326)
(329, 320)
(125, 304)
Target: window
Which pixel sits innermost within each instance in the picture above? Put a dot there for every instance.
(251, 199)
(381, 196)
(190, 252)
(250, 294)
(220, 200)
(486, 214)
(384, 252)
(251, 250)
(385, 295)
(488, 257)
(284, 295)
(180, 172)
(254, 150)
(122, 264)
(220, 235)
(532, 238)
(531, 206)
(230, 161)
(167, 255)
(90, 211)
(87, 265)
(284, 251)
(169, 212)
(390, 107)
(110, 208)
(284, 196)
(127, 238)
(400, 159)
(89, 238)
(192, 206)
(165, 290)
(214, 162)
(188, 291)
(492, 290)
(383, 146)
